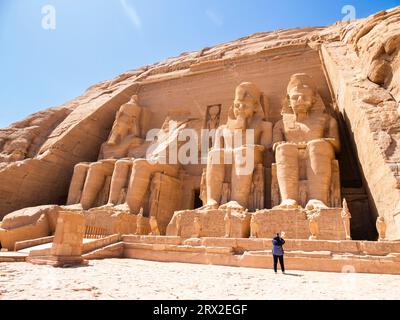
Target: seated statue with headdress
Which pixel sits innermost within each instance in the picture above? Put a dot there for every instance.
(239, 147)
(305, 143)
(115, 158)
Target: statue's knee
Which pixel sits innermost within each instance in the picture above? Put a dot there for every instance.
(98, 168)
(123, 163)
(217, 156)
(81, 167)
(286, 150)
(141, 164)
(320, 147)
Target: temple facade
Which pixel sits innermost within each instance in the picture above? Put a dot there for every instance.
(294, 131)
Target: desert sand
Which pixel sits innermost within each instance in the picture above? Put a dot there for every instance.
(138, 280)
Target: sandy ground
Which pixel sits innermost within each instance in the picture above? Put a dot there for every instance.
(135, 279)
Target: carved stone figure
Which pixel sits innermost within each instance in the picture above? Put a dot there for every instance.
(155, 231)
(203, 187)
(228, 222)
(254, 228)
(226, 193)
(156, 161)
(305, 134)
(246, 116)
(197, 227)
(275, 194)
(258, 187)
(89, 178)
(381, 227)
(154, 197)
(178, 225)
(126, 127)
(213, 117)
(139, 223)
(346, 216)
(313, 224)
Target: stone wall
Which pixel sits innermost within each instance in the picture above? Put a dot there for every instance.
(371, 113)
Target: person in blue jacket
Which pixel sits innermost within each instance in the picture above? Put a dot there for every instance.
(278, 252)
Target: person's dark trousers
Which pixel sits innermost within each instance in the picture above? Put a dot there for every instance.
(281, 262)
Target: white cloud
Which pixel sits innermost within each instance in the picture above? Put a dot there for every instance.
(215, 18)
(132, 14)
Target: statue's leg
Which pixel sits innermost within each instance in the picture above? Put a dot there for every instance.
(119, 180)
(287, 164)
(319, 172)
(77, 183)
(242, 175)
(97, 173)
(215, 177)
(140, 181)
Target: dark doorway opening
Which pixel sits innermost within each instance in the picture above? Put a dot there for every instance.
(197, 203)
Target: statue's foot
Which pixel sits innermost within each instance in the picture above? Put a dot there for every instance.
(108, 205)
(315, 204)
(73, 207)
(233, 205)
(288, 204)
(211, 205)
(122, 207)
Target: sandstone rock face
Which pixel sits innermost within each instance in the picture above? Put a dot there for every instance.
(355, 68)
(23, 139)
(363, 70)
(29, 223)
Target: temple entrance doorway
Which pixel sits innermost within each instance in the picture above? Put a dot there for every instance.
(197, 203)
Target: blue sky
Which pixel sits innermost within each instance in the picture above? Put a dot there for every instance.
(95, 40)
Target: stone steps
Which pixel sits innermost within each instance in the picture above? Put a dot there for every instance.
(114, 250)
(96, 244)
(353, 247)
(326, 256)
(12, 257)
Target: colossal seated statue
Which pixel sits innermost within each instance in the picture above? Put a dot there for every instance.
(239, 148)
(157, 161)
(115, 160)
(127, 163)
(305, 143)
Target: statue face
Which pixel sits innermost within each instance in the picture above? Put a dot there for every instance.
(213, 112)
(244, 106)
(302, 99)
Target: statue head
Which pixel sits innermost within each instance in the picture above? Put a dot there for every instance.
(131, 109)
(214, 111)
(248, 100)
(302, 93)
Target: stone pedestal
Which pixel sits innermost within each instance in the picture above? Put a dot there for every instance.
(213, 224)
(116, 220)
(67, 244)
(296, 224)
